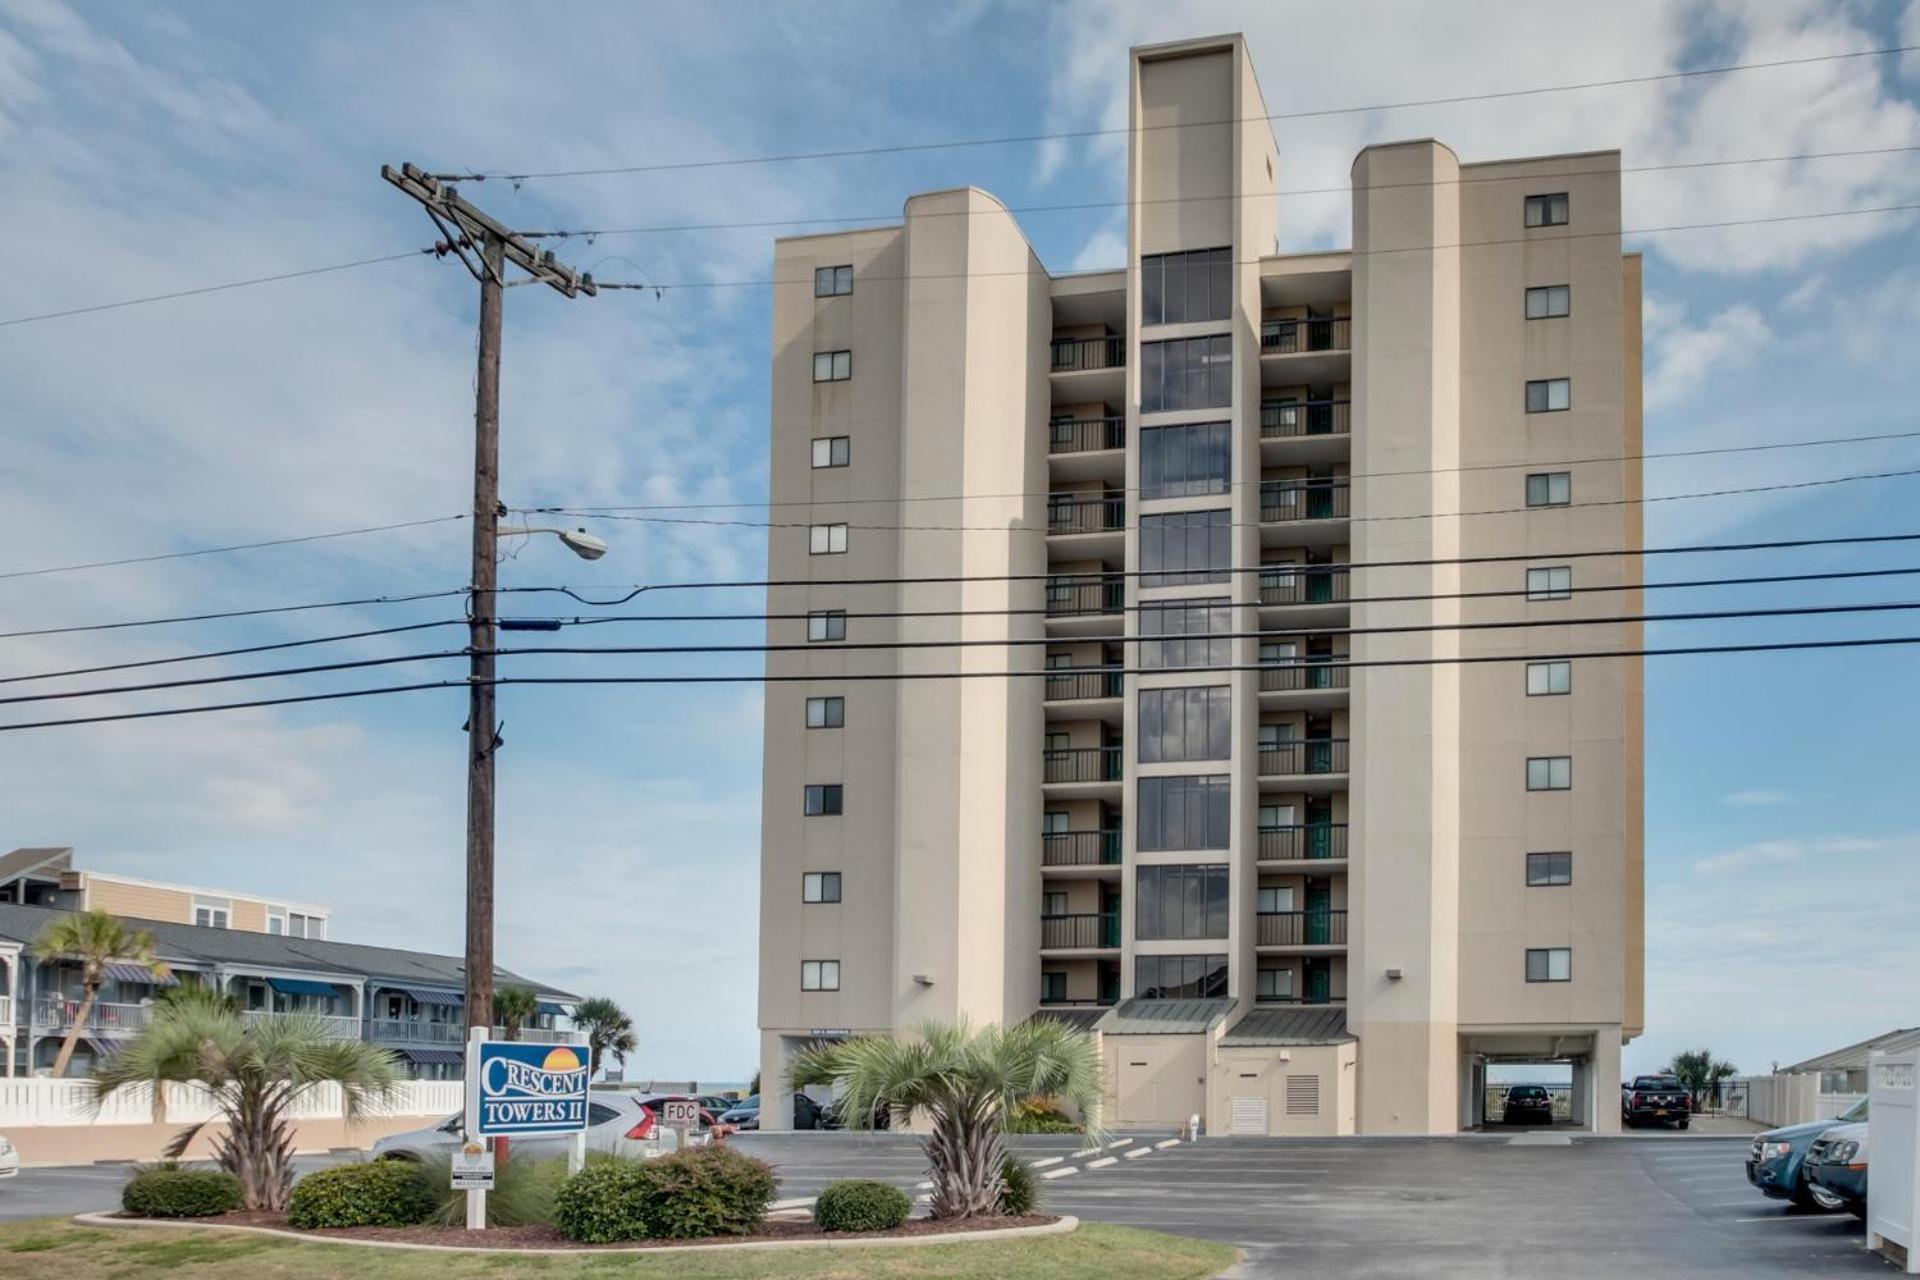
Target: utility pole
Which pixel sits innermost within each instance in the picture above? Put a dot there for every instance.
(467, 229)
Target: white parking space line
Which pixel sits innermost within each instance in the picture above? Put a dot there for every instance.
(1137, 1152)
(1086, 1151)
(1170, 1142)
(1060, 1173)
(1103, 1162)
(1124, 1142)
(1793, 1218)
(1048, 1163)
(923, 1186)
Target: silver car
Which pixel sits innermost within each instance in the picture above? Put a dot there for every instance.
(617, 1123)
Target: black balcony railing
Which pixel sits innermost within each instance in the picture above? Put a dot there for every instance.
(1298, 585)
(1304, 755)
(1073, 355)
(1285, 337)
(1322, 928)
(1296, 999)
(1065, 686)
(1078, 597)
(1280, 420)
(1312, 840)
(1081, 764)
(1302, 675)
(1102, 514)
(1304, 500)
(1080, 849)
(1080, 932)
(1085, 435)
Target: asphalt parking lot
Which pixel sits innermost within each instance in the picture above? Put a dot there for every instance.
(1453, 1207)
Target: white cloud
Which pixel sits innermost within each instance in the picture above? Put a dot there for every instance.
(1760, 796)
(1773, 853)
(1688, 360)
(1105, 249)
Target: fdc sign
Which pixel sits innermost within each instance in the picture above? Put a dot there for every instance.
(531, 1088)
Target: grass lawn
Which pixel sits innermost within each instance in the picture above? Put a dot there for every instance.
(54, 1247)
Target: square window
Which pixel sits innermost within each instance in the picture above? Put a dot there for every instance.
(1274, 984)
(1053, 903)
(1549, 301)
(1550, 489)
(826, 625)
(1548, 678)
(819, 975)
(1549, 868)
(826, 713)
(832, 366)
(1549, 964)
(1053, 988)
(832, 282)
(1550, 773)
(831, 451)
(1549, 210)
(1549, 395)
(1554, 583)
(820, 886)
(827, 540)
(822, 800)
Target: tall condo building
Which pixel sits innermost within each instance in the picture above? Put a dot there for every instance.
(1172, 731)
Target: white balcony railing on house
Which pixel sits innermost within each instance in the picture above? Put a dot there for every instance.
(6, 1014)
(103, 1019)
(402, 1031)
(339, 1026)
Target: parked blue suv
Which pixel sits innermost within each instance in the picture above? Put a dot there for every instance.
(1777, 1162)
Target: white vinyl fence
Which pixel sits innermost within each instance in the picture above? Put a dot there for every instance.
(27, 1102)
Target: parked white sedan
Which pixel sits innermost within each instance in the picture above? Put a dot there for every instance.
(9, 1158)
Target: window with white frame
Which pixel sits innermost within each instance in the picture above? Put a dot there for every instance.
(832, 282)
(1549, 210)
(304, 926)
(820, 886)
(1546, 302)
(1550, 489)
(819, 975)
(276, 920)
(1549, 395)
(826, 713)
(827, 540)
(1552, 583)
(824, 625)
(1549, 773)
(832, 451)
(213, 913)
(1549, 964)
(832, 366)
(1547, 678)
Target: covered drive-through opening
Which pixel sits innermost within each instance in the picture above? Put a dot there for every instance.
(1578, 1071)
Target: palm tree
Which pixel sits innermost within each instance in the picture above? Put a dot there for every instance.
(93, 939)
(513, 1007)
(609, 1029)
(965, 1082)
(257, 1072)
(1701, 1073)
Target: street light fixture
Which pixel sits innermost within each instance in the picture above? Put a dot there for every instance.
(578, 541)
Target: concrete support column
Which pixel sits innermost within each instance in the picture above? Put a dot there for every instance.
(776, 1097)
(1582, 1091)
(1603, 1071)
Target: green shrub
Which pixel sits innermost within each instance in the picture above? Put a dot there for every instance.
(1040, 1115)
(861, 1204)
(386, 1193)
(166, 1191)
(706, 1191)
(522, 1195)
(1019, 1189)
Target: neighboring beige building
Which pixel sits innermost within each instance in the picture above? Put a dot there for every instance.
(46, 877)
(1291, 896)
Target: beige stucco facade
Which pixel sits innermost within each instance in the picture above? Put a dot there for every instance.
(1002, 839)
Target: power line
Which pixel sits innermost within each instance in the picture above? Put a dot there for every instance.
(1006, 642)
(763, 678)
(843, 153)
(591, 233)
(1234, 484)
(238, 546)
(232, 653)
(212, 288)
(232, 613)
(1290, 486)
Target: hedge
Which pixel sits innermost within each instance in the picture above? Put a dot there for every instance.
(168, 1192)
(861, 1204)
(1019, 1189)
(385, 1193)
(705, 1191)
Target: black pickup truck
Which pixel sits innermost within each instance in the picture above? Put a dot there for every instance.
(1654, 1099)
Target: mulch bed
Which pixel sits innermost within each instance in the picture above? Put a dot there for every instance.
(547, 1237)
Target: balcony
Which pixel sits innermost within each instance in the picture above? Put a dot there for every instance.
(1283, 500)
(404, 1031)
(1299, 1000)
(6, 1012)
(1081, 764)
(1323, 928)
(338, 1026)
(1086, 604)
(1306, 757)
(1291, 419)
(1304, 842)
(1304, 675)
(61, 1015)
(1085, 355)
(1295, 337)
(1086, 435)
(1080, 849)
(1074, 686)
(1297, 585)
(1090, 932)
(1106, 513)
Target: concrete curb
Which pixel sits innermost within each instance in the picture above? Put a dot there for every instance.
(1066, 1225)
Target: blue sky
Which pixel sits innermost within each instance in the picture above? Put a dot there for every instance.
(146, 150)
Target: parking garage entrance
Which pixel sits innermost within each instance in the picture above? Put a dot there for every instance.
(1539, 1080)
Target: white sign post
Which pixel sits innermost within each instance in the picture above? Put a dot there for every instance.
(1893, 1192)
(470, 1127)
